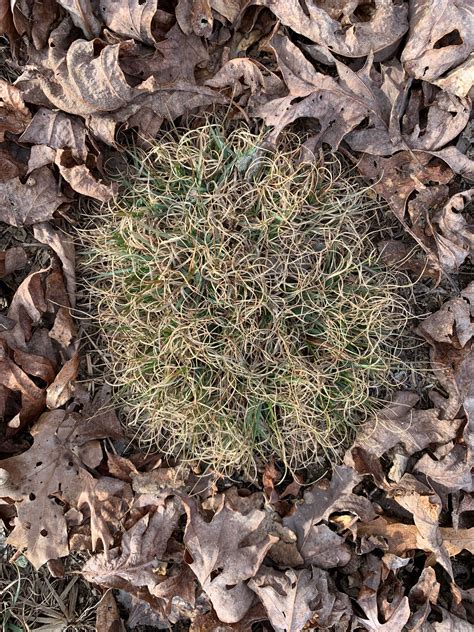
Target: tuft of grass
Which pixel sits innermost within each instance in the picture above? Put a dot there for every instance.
(244, 307)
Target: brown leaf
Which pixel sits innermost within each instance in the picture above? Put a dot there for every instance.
(43, 15)
(399, 177)
(399, 611)
(440, 38)
(403, 538)
(108, 618)
(386, 24)
(295, 597)
(320, 502)
(62, 389)
(64, 248)
(81, 179)
(11, 260)
(455, 241)
(130, 19)
(401, 423)
(58, 131)
(460, 80)
(425, 506)
(221, 559)
(135, 566)
(52, 469)
(83, 16)
(14, 115)
(312, 94)
(424, 593)
(32, 202)
(449, 473)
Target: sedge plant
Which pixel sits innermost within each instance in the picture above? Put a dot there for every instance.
(242, 302)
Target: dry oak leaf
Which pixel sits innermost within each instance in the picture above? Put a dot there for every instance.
(14, 115)
(455, 240)
(34, 201)
(441, 37)
(399, 177)
(130, 19)
(75, 79)
(108, 618)
(320, 502)
(64, 249)
(425, 506)
(58, 131)
(403, 538)
(460, 80)
(135, 566)
(368, 599)
(424, 593)
(387, 23)
(222, 559)
(62, 389)
(400, 423)
(83, 16)
(311, 94)
(53, 469)
(296, 597)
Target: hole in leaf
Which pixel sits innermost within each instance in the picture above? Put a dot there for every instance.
(365, 11)
(39, 463)
(43, 532)
(32, 496)
(453, 38)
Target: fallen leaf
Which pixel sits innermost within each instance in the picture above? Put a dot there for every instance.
(440, 37)
(295, 597)
(61, 390)
(83, 16)
(32, 202)
(455, 240)
(386, 24)
(311, 94)
(424, 593)
(14, 115)
(401, 423)
(460, 80)
(134, 566)
(220, 558)
(52, 469)
(368, 601)
(425, 506)
(64, 249)
(11, 260)
(57, 131)
(81, 179)
(133, 18)
(108, 617)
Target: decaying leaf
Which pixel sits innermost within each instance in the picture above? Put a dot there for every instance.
(14, 115)
(58, 131)
(383, 25)
(440, 38)
(135, 566)
(132, 18)
(223, 556)
(11, 260)
(34, 201)
(83, 16)
(53, 469)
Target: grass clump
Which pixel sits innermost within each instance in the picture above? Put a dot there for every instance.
(244, 307)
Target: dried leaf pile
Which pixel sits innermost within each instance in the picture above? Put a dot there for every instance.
(384, 542)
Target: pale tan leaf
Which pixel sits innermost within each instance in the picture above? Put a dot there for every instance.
(441, 37)
(83, 16)
(58, 131)
(132, 18)
(81, 179)
(14, 115)
(221, 560)
(385, 25)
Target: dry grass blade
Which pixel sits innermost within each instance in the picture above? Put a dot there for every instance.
(243, 304)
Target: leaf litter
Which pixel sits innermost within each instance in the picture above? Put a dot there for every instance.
(381, 543)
